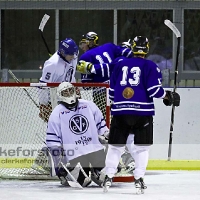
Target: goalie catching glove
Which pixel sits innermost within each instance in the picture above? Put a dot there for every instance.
(84, 67)
(45, 111)
(171, 98)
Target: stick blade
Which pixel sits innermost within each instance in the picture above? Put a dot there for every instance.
(43, 22)
(74, 184)
(169, 24)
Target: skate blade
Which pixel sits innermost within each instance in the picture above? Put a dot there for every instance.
(139, 191)
(105, 189)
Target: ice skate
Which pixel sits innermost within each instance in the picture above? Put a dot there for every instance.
(107, 183)
(140, 186)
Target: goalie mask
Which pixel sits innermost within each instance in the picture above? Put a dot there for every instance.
(91, 40)
(140, 45)
(66, 93)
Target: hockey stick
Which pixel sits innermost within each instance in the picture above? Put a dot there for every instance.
(73, 183)
(17, 81)
(41, 28)
(71, 180)
(169, 24)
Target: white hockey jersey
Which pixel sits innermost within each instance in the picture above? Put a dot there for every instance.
(76, 131)
(56, 70)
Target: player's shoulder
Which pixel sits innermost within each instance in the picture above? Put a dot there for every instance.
(53, 61)
(151, 64)
(108, 45)
(83, 102)
(86, 55)
(56, 112)
(121, 60)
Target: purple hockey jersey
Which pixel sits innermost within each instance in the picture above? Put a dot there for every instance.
(100, 57)
(133, 85)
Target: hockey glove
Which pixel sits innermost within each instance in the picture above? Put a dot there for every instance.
(78, 93)
(84, 67)
(103, 139)
(173, 98)
(45, 111)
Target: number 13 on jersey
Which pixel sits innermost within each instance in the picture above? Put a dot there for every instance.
(135, 80)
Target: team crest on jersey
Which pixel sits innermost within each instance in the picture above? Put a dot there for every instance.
(78, 124)
(128, 93)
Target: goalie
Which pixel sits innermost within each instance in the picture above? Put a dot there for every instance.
(73, 132)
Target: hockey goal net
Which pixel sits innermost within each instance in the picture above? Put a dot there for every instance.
(23, 131)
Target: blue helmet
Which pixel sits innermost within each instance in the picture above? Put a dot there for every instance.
(68, 47)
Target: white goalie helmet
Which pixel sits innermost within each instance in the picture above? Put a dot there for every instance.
(66, 92)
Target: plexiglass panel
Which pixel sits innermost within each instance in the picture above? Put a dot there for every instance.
(191, 40)
(149, 23)
(22, 45)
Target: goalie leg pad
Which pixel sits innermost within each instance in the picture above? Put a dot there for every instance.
(97, 176)
(82, 179)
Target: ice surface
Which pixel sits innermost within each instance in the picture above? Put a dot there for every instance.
(162, 185)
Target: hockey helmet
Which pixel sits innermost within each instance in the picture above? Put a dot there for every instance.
(68, 47)
(140, 45)
(66, 93)
(91, 39)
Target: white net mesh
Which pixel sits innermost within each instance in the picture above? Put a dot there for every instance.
(23, 131)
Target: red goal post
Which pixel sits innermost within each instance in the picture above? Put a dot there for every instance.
(22, 130)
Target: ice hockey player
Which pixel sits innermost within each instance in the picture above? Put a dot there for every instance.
(61, 66)
(74, 127)
(95, 66)
(133, 85)
(89, 41)
(94, 63)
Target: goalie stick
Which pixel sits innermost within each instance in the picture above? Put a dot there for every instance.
(70, 178)
(41, 28)
(72, 181)
(170, 25)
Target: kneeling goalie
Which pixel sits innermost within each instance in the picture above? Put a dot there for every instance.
(73, 132)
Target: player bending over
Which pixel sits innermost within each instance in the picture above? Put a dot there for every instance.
(73, 133)
(133, 85)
